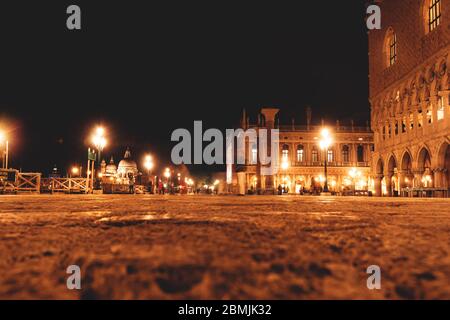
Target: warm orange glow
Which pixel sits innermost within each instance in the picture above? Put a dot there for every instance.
(326, 139)
(148, 162)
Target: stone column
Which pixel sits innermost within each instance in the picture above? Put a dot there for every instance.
(242, 185)
(389, 185)
(438, 177)
(417, 182)
(401, 175)
(377, 184)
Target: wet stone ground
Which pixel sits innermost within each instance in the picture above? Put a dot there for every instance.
(207, 247)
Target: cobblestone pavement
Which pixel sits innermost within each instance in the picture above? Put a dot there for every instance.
(212, 247)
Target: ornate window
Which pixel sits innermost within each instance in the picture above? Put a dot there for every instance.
(434, 14)
(315, 155)
(346, 153)
(393, 50)
(300, 153)
(285, 153)
(330, 155)
(360, 153)
(390, 48)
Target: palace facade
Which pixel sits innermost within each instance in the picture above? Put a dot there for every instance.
(301, 160)
(409, 96)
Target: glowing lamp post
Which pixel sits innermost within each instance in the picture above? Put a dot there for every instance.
(99, 141)
(5, 155)
(167, 176)
(148, 164)
(324, 144)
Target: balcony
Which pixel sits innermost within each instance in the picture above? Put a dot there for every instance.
(332, 164)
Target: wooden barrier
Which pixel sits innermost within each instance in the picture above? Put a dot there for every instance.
(28, 182)
(66, 185)
(13, 181)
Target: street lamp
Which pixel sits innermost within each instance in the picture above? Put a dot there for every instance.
(75, 172)
(5, 155)
(148, 164)
(99, 141)
(324, 144)
(167, 176)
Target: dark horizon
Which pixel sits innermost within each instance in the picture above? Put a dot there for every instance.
(143, 71)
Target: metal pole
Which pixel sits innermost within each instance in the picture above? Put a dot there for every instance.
(325, 188)
(6, 156)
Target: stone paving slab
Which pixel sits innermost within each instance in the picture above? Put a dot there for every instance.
(213, 247)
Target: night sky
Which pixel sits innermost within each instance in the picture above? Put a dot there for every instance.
(144, 69)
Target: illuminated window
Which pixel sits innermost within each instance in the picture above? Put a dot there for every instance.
(285, 153)
(404, 125)
(440, 110)
(392, 49)
(315, 155)
(300, 153)
(434, 14)
(330, 156)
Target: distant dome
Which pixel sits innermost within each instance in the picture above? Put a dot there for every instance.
(127, 166)
(111, 168)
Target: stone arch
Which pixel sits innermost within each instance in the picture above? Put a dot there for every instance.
(391, 176)
(391, 164)
(406, 162)
(378, 179)
(380, 167)
(442, 175)
(423, 159)
(406, 165)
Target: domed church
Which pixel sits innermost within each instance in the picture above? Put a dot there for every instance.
(127, 166)
(120, 174)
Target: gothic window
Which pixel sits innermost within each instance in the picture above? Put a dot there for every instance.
(391, 48)
(434, 14)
